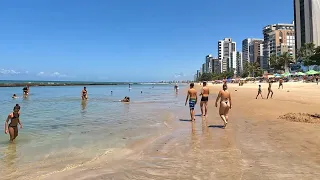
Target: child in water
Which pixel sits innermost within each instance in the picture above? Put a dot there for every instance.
(14, 96)
(12, 127)
(259, 92)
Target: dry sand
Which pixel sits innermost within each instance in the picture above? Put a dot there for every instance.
(256, 145)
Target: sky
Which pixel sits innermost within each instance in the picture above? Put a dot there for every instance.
(124, 40)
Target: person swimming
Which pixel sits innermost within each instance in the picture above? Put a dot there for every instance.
(84, 93)
(14, 96)
(225, 103)
(126, 99)
(12, 127)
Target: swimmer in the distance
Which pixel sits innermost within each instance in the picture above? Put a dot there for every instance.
(14, 96)
(126, 99)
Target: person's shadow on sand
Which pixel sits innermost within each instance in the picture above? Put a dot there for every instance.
(188, 120)
(216, 126)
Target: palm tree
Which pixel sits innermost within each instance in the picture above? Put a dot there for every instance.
(284, 60)
(252, 68)
(274, 62)
(305, 52)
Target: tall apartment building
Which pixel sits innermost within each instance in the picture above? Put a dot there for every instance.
(209, 63)
(227, 54)
(307, 22)
(204, 69)
(278, 38)
(256, 52)
(216, 66)
(239, 63)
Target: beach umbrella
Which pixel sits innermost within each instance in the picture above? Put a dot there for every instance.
(301, 74)
(277, 75)
(312, 72)
(286, 74)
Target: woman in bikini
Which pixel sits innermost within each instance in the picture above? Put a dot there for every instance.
(225, 103)
(12, 127)
(84, 93)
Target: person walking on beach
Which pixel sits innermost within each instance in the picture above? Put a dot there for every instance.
(204, 99)
(280, 83)
(259, 92)
(317, 79)
(12, 127)
(225, 103)
(193, 98)
(270, 90)
(84, 93)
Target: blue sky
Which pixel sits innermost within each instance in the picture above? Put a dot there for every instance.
(124, 40)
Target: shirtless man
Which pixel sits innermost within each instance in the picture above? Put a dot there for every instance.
(12, 127)
(84, 93)
(225, 104)
(317, 79)
(204, 99)
(193, 98)
(259, 92)
(280, 83)
(270, 90)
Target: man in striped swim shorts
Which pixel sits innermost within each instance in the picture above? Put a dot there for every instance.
(193, 98)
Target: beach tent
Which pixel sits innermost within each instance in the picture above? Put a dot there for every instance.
(286, 74)
(312, 72)
(300, 74)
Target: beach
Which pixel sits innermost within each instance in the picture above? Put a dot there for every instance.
(154, 139)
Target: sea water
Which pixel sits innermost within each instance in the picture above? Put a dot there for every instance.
(59, 129)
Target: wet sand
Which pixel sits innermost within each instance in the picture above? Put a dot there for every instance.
(255, 144)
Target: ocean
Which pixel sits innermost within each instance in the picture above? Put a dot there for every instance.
(61, 131)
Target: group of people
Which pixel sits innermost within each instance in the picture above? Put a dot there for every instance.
(224, 96)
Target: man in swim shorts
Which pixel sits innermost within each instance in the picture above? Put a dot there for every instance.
(225, 104)
(204, 99)
(280, 83)
(193, 98)
(259, 92)
(12, 127)
(270, 90)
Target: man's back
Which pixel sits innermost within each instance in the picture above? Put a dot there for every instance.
(192, 93)
(205, 91)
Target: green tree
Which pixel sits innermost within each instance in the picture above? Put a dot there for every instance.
(315, 58)
(275, 62)
(285, 59)
(305, 53)
(206, 77)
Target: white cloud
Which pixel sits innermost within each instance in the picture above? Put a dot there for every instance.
(177, 75)
(9, 72)
(51, 74)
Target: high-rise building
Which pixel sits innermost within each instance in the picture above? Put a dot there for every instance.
(245, 49)
(307, 22)
(204, 69)
(209, 63)
(256, 51)
(227, 54)
(278, 38)
(216, 66)
(239, 68)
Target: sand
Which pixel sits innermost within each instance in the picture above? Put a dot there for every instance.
(257, 143)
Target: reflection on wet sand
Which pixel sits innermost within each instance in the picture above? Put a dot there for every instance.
(9, 160)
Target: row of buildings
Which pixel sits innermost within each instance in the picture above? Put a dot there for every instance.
(277, 39)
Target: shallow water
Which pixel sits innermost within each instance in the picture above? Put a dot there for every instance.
(60, 130)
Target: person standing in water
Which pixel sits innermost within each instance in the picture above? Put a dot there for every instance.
(280, 83)
(225, 104)
(270, 90)
(193, 98)
(259, 92)
(84, 93)
(25, 91)
(204, 99)
(12, 127)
